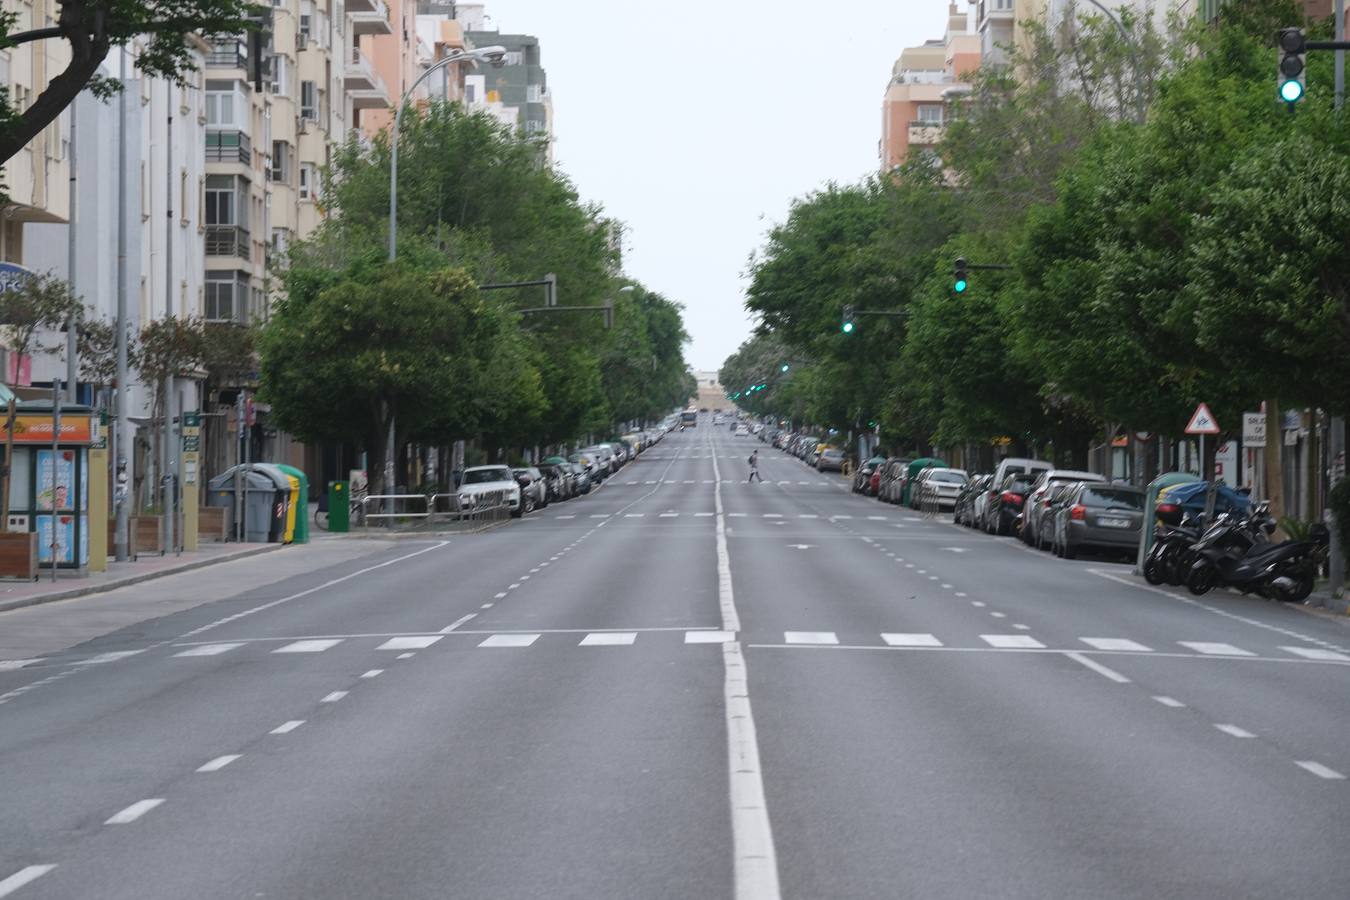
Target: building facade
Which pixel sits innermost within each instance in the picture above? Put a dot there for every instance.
(521, 84)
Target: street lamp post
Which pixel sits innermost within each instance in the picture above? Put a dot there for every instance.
(1138, 53)
(495, 55)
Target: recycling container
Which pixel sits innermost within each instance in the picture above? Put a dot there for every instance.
(260, 497)
(339, 513)
(299, 503)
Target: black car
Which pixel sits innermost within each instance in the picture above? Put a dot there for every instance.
(1006, 504)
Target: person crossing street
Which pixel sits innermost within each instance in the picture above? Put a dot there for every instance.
(754, 466)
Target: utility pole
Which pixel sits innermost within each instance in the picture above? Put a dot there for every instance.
(72, 348)
(1336, 440)
(120, 487)
(166, 389)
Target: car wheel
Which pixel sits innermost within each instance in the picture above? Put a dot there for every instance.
(1069, 550)
(527, 503)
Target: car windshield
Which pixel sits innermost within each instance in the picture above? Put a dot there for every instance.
(482, 476)
(948, 477)
(1113, 498)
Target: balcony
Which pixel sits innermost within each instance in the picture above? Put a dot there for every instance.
(362, 83)
(924, 133)
(228, 146)
(228, 55)
(372, 20)
(227, 240)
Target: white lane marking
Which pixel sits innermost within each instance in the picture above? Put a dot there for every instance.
(9, 665)
(755, 861)
(911, 640)
(1011, 641)
(1307, 765)
(600, 515)
(373, 673)
(909, 565)
(649, 482)
(946, 586)
(510, 640)
(1020, 627)
(410, 643)
(668, 515)
(1215, 649)
(1170, 701)
(773, 515)
(1316, 653)
(999, 615)
(219, 763)
(932, 578)
(705, 515)
(134, 811)
(524, 578)
(499, 595)
(314, 590)
(955, 549)
(334, 697)
(808, 516)
(101, 658)
(876, 518)
(841, 517)
(630, 482)
(534, 570)
(977, 603)
(486, 606)
(408, 655)
(315, 646)
(634, 515)
(565, 517)
(208, 650)
(810, 637)
(512, 587)
(1095, 666)
(608, 639)
(446, 630)
(1234, 731)
(287, 727)
(23, 876)
(1115, 644)
(735, 515)
(709, 637)
(962, 594)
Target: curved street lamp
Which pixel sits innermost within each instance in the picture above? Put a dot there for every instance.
(496, 56)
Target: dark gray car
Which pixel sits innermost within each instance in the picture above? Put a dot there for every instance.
(1099, 516)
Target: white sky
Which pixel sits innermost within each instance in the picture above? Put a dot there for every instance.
(696, 124)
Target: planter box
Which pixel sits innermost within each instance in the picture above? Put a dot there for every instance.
(18, 555)
(142, 531)
(211, 523)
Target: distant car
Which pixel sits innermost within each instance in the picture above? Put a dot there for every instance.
(938, 488)
(963, 511)
(831, 459)
(1005, 506)
(561, 484)
(862, 479)
(1099, 515)
(1036, 503)
(581, 479)
(480, 482)
(533, 488)
(892, 479)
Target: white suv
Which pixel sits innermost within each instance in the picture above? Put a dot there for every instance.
(481, 480)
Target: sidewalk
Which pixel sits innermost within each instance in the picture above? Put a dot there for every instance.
(16, 594)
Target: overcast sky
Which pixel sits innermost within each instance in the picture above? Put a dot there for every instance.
(696, 124)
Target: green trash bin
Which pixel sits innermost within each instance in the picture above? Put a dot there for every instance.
(301, 535)
(339, 513)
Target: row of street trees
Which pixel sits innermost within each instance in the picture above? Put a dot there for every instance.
(358, 342)
(1199, 254)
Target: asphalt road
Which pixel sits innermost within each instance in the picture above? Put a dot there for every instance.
(685, 685)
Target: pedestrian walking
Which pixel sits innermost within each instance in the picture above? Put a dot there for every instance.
(754, 466)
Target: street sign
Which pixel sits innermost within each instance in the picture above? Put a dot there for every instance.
(1253, 429)
(1202, 421)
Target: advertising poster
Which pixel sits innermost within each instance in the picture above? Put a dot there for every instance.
(64, 487)
(84, 540)
(65, 539)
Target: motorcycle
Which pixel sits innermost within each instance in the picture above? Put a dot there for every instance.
(1168, 560)
(1286, 571)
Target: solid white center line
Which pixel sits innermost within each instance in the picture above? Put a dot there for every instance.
(608, 639)
(288, 726)
(1116, 644)
(417, 642)
(1095, 666)
(446, 630)
(134, 812)
(1215, 649)
(911, 640)
(1308, 765)
(510, 640)
(1234, 731)
(208, 650)
(316, 646)
(810, 637)
(219, 763)
(22, 877)
(1011, 641)
(373, 673)
(334, 697)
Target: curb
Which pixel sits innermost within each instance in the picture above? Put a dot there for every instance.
(86, 590)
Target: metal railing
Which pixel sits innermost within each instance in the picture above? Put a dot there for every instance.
(227, 240)
(229, 56)
(426, 512)
(228, 146)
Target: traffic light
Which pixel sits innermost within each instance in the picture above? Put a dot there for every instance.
(962, 280)
(847, 327)
(1293, 64)
(783, 368)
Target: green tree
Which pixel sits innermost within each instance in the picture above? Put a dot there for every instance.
(43, 302)
(91, 28)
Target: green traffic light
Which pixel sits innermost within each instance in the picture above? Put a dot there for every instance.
(783, 367)
(961, 285)
(847, 328)
(1291, 91)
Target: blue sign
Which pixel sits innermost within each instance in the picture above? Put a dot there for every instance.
(13, 277)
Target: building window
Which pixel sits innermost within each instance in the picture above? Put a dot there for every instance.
(309, 101)
(222, 296)
(220, 200)
(930, 114)
(309, 186)
(534, 93)
(280, 79)
(280, 170)
(225, 108)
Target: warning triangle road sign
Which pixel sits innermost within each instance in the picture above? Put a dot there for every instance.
(1202, 422)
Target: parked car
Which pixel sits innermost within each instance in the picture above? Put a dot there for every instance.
(1101, 516)
(862, 479)
(938, 488)
(592, 464)
(533, 488)
(1016, 465)
(1005, 505)
(963, 511)
(561, 485)
(480, 481)
(581, 479)
(892, 479)
(831, 459)
(911, 473)
(1044, 537)
(1036, 503)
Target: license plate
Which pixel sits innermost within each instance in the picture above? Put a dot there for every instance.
(1114, 523)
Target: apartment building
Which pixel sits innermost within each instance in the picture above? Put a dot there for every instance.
(924, 81)
(521, 84)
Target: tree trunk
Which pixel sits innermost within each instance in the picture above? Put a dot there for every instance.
(86, 55)
(1274, 470)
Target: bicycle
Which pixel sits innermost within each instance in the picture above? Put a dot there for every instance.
(356, 513)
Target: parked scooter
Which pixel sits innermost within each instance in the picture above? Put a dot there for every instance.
(1228, 556)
